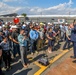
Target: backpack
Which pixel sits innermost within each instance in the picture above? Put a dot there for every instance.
(44, 61)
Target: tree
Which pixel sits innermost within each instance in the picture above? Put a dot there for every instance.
(23, 14)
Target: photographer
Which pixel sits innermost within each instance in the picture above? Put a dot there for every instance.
(23, 47)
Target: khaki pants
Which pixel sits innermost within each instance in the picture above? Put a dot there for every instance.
(57, 39)
(39, 44)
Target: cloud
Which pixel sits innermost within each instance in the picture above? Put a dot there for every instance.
(9, 0)
(6, 9)
(18, 1)
(70, 2)
(64, 8)
(61, 9)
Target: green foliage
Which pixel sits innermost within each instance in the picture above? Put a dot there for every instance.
(23, 14)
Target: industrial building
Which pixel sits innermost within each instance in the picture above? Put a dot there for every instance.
(39, 18)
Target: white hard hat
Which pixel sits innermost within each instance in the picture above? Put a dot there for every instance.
(6, 23)
(0, 27)
(3, 25)
(14, 26)
(49, 23)
(24, 25)
(37, 24)
(66, 23)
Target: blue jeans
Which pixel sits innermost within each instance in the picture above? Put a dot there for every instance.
(16, 49)
(33, 45)
(62, 35)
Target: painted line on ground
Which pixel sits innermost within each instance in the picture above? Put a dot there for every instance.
(43, 68)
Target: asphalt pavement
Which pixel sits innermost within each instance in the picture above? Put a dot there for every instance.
(35, 68)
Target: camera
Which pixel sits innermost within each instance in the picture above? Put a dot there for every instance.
(24, 34)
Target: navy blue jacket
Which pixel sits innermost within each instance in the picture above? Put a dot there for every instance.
(73, 34)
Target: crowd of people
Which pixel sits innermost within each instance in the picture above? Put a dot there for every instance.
(18, 39)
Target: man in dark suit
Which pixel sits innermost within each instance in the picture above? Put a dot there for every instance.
(73, 37)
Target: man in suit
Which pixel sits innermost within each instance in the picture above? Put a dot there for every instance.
(73, 37)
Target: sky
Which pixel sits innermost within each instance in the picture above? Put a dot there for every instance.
(38, 7)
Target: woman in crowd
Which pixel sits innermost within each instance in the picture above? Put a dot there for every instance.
(50, 40)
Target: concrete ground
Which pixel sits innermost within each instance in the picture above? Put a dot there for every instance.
(34, 68)
(66, 67)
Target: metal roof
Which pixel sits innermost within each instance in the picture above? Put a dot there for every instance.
(31, 16)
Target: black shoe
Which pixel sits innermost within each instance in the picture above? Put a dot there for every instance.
(73, 57)
(9, 68)
(59, 43)
(74, 61)
(5, 67)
